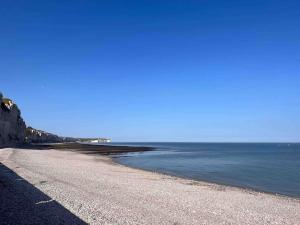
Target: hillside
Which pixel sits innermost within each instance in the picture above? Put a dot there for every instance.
(13, 130)
(12, 126)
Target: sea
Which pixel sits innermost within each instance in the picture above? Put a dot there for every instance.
(265, 167)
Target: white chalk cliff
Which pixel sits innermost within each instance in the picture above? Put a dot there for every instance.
(12, 126)
(13, 129)
(39, 136)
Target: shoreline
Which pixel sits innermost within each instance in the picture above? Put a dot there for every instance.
(110, 151)
(87, 148)
(241, 188)
(98, 190)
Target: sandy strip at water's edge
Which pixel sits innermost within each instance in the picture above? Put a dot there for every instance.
(96, 190)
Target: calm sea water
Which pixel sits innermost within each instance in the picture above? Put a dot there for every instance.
(271, 168)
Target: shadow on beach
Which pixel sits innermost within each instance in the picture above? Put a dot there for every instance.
(21, 203)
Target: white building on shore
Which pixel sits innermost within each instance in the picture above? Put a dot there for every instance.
(100, 140)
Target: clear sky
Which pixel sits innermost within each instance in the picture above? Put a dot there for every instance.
(155, 70)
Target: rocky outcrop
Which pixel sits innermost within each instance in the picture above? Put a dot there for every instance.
(12, 126)
(39, 136)
(13, 129)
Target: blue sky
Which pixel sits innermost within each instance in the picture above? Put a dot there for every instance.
(155, 70)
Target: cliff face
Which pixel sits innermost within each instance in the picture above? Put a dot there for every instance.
(39, 136)
(12, 126)
(13, 129)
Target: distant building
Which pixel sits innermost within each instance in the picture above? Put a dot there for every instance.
(100, 140)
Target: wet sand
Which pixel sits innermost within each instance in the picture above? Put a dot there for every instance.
(91, 189)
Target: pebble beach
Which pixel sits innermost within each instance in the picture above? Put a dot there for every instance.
(92, 189)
